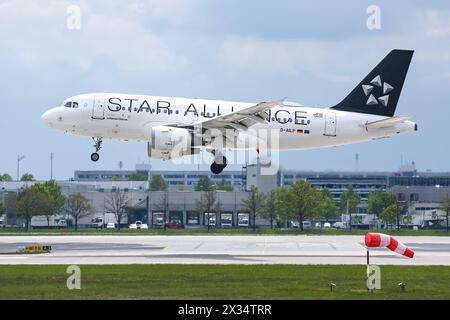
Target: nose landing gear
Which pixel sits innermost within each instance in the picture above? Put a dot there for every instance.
(220, 163)
(98, 145)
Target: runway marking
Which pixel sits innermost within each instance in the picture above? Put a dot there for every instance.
(199, 245)
(360, 245)
(332, 246)
(264, 247)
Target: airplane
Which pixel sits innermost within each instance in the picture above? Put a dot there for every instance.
(177, 127)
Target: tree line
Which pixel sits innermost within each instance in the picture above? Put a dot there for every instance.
(298, 202)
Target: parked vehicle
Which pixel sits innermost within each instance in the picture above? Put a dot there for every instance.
(111, 225)
(54, 222)
(210, 219)
(295, 224)
(243, 219)
(226, 220)
(327, 225)
(97, 223)
(138, 225)
(159, 222)
(173, 225)
(339, 225)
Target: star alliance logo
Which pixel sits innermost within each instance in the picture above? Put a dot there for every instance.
(372, 100)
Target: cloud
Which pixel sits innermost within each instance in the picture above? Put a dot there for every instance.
(40, 37)
(342, 59)
(331, 60)
(435, 23)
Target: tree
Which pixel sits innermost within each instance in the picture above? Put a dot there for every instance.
(116, 203)
(284, 208)
(157, 183)
(349, 202)
(218, 210)
(2, 209)
(379, 201)
(136, 176)
(56, 198)
(204, 184)
(389, 214)
(5, 177)
(31, 202)
(224, 186)
(163, 206)
(78, 206)
(327, 206)
(445, 206)
(207, 204)
(27, 177)
(304, 199)
(253, 204)
(269, 209)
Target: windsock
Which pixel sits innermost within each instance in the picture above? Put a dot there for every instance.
(384, 240)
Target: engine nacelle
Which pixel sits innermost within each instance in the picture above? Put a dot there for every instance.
(170, 143)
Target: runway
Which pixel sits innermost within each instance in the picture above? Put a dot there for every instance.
(219, 250)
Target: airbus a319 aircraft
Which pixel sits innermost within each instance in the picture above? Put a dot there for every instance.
(367, 113)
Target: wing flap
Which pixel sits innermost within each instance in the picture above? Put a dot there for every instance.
(242, 118)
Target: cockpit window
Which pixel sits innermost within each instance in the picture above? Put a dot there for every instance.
(71, 104)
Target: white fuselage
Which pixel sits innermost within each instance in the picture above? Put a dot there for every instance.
(131, 117)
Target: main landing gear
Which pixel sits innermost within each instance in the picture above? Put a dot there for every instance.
(98, 145)
(220, 162)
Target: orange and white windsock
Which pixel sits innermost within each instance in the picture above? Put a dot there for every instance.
(383, 240)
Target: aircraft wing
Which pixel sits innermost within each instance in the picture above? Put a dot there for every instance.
(388, 122)
(238, 120)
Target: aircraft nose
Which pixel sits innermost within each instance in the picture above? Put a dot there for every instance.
(45, 118)
(49, 117)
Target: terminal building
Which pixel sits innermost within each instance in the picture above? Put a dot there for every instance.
(420, 193)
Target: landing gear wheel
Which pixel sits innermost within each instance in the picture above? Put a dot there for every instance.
(95, 157)
(98, 145)
(216, 168)
(219, 164)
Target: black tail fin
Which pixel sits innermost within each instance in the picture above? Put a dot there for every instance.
(379, 91)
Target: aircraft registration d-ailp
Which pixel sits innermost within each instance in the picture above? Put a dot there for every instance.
(367, 113)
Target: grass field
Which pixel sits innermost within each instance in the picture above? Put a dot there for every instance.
(217, 231)
(221, 282)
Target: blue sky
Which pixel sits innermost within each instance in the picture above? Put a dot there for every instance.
(312, 52)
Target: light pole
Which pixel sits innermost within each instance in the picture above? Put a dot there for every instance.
(51, 165)
(19, 158)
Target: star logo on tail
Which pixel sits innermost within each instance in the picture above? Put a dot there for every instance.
(371, 99)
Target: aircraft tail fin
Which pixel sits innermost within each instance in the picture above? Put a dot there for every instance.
(379, 91)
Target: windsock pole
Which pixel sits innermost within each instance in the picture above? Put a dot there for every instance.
(367, 269)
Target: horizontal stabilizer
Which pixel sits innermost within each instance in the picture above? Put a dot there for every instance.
(388, 122)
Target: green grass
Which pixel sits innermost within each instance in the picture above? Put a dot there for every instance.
(216, 231)
(222, 282)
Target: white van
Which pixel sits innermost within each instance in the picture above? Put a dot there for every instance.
(339, 225)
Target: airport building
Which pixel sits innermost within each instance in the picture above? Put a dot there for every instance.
(419, 192)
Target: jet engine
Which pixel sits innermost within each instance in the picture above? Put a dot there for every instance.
(170, 143)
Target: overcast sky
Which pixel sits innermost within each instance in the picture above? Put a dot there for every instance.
(313, 53)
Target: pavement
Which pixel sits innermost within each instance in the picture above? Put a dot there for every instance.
(216, 249)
